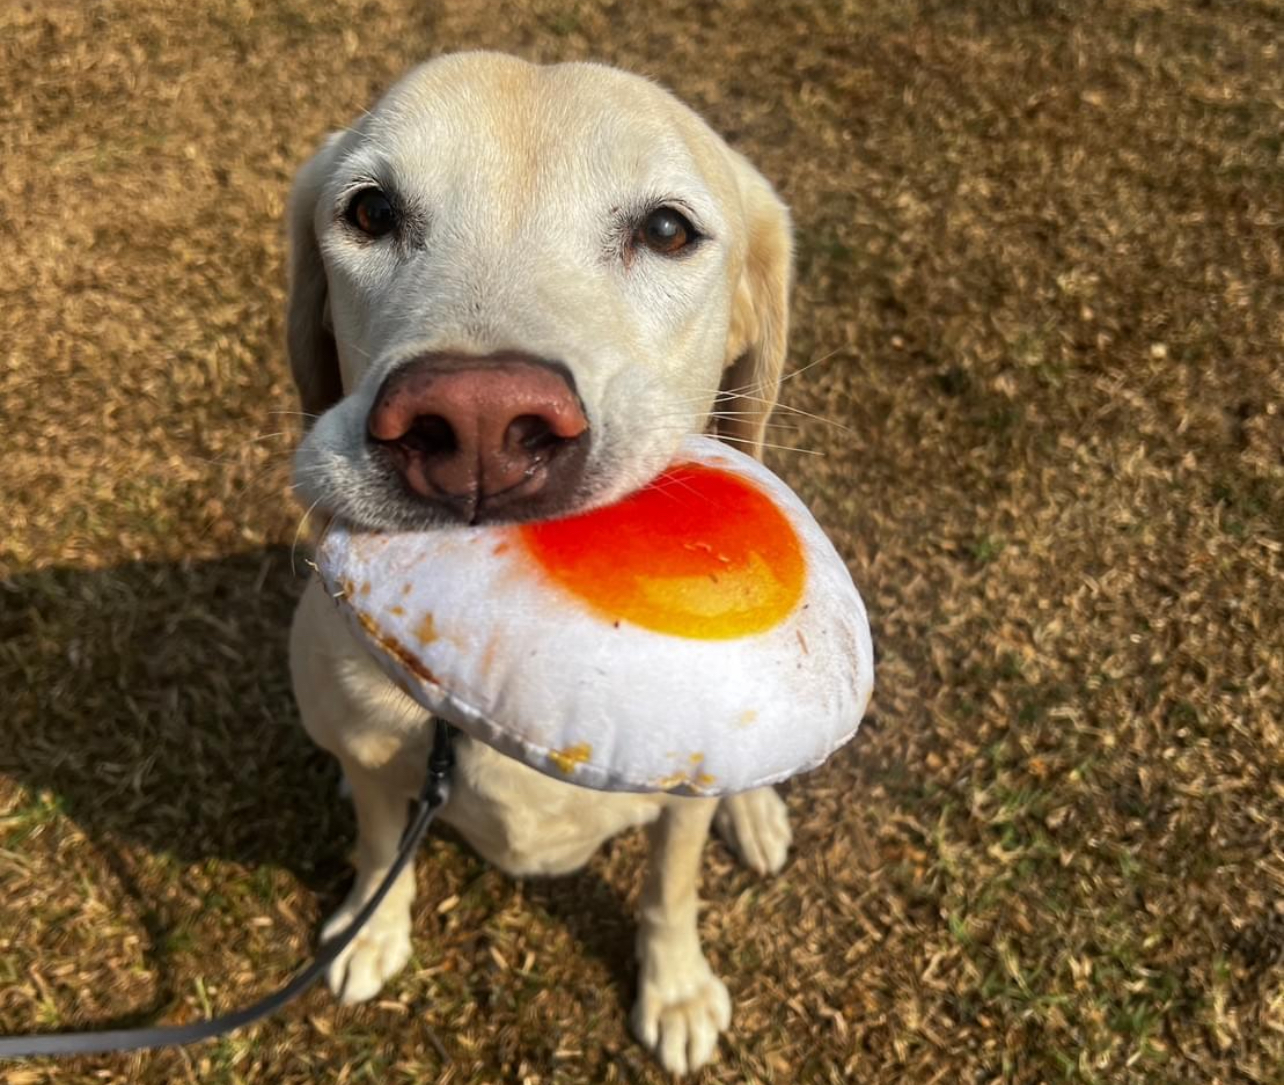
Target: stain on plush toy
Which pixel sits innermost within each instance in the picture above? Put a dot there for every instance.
(396, 649)
(427, 631)
(489, 656)
(568, 759)
(698, 783)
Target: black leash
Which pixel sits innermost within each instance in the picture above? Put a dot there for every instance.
(431, 799)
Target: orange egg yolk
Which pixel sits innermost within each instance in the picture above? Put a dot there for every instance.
(698, 553)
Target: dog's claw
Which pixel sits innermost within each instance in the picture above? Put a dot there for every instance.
(755, 825)
(679, 1021)
(380, 951)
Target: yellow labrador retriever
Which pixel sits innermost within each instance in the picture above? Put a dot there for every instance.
(514, 290)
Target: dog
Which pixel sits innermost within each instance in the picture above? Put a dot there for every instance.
(514, 289)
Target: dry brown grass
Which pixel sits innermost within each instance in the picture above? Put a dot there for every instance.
(1040, 248)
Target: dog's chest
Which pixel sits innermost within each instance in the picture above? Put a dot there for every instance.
(527, 823)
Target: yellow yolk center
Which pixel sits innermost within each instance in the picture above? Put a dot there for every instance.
(698, 553)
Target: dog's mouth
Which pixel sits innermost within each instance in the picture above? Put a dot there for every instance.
(379, 494)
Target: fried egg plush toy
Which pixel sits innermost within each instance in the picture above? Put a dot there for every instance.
(700, 636)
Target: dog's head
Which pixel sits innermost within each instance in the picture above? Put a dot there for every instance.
(514, 290)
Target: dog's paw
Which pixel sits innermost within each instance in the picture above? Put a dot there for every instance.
(377, 954)
(678, 1016)
(755, 825)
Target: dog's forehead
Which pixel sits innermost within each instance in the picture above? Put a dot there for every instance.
(504, 122)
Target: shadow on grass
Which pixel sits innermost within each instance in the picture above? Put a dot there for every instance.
(150, 703)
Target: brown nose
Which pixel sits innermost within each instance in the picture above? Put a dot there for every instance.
(491, 437)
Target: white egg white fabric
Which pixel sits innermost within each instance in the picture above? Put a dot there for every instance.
(475, 632)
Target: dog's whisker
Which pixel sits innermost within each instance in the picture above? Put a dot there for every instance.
(731, 414)
(787, 408)
(787, 376)
(790, 375)
(258, 467)
(294, 546)
(304, 475)
(768, 444)
(809, 365)
(711, 414)
(248, 495)
(784, 433)
(671, 483)
(232, 455)
(735, 416)
(769, 405)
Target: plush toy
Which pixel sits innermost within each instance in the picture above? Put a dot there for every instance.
(699, 636)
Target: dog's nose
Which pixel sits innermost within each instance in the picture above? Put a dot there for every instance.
(489, 436)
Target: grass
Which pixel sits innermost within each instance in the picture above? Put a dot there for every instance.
(1039, 251)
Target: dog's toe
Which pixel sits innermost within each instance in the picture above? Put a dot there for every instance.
(755, 824)
(379, 952)
(680, 1022)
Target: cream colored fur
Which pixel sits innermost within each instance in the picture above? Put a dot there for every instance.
(518, 170)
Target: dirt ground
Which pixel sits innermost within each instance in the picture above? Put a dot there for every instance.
(1039, 275)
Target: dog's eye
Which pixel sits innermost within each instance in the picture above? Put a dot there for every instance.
(372, 213)
(665, 231)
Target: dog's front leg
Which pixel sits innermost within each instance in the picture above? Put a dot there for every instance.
(682, 1005)
(382, 949)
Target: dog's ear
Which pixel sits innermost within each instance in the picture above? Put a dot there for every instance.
(314, 359)
(759, 332)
